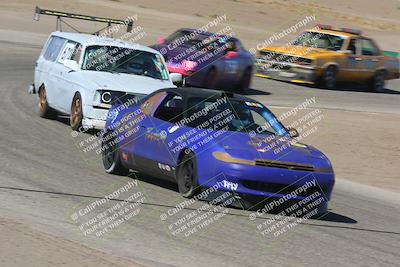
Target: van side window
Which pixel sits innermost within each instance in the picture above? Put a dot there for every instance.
(54, 47)
(71, 51)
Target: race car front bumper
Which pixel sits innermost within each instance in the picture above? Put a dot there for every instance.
(285, 71)
(266, 182)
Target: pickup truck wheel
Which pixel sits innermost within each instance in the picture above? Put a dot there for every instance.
(377, 83)
(187, 176)
(76, 112)
(329, 79)
(45, 111)
(110, 157)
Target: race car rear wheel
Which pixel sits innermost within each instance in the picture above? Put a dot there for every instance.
(211, 79)
(187, 176)
(244, 82)
(45, 111)
(76, 112)
(329, 78)
(377, 83)
(110, 157)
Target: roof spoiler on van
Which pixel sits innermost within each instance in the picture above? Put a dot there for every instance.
(61, 14)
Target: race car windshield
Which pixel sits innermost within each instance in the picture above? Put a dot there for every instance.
(123, 60)
(320, 40)
(232, 115)
(185, 38)
(197, 41)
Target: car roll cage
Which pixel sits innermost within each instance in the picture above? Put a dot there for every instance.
(61, 14)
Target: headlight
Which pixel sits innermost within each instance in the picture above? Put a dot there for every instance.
(225, 157)
(106, 97)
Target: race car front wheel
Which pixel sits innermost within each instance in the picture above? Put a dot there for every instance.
(110, 157)
(187, 176)
(329, 78)
(76, 112)
(211, 79)
(377, 83)
(244, 82)
(45, 111)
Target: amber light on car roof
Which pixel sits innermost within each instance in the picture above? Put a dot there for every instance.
(347, 30)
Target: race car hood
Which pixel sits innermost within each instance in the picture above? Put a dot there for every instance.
(272, 148)
(175, 54)
(300, 51)
(125, 82)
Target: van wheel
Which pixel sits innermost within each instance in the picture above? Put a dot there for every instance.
(76, 112)
(329, 78)
(377, 83)
(45, 111)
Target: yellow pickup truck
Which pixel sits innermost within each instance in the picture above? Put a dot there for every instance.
(325, 55)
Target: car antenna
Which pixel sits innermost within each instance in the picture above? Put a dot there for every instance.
(61, 14)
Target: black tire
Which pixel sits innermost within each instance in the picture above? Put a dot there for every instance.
(211, 79)
(329, 78)
(76, 114)
(111, 159)
(45, 111)
(244, 82)
(187, 176)
(377, 83)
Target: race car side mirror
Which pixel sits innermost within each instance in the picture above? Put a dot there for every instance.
(71, 64)
(293, 132)
(231, 54)
(160, 40)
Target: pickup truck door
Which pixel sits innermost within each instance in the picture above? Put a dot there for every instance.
(371, 58)
(353, 70)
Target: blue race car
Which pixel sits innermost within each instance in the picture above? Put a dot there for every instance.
(207, 60)
(205, 138)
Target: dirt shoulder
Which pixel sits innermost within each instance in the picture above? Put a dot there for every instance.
(253, 21)
(23, 246)
(363, 147)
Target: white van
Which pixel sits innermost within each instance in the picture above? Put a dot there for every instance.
(81, 74)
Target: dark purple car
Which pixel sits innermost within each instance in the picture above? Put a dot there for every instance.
(207, 60)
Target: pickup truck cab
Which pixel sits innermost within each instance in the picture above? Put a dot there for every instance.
(81, 74)
(327, 55)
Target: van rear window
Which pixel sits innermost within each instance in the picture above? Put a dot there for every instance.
(54, 48)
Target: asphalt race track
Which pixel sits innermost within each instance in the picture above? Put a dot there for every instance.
(45, 177)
